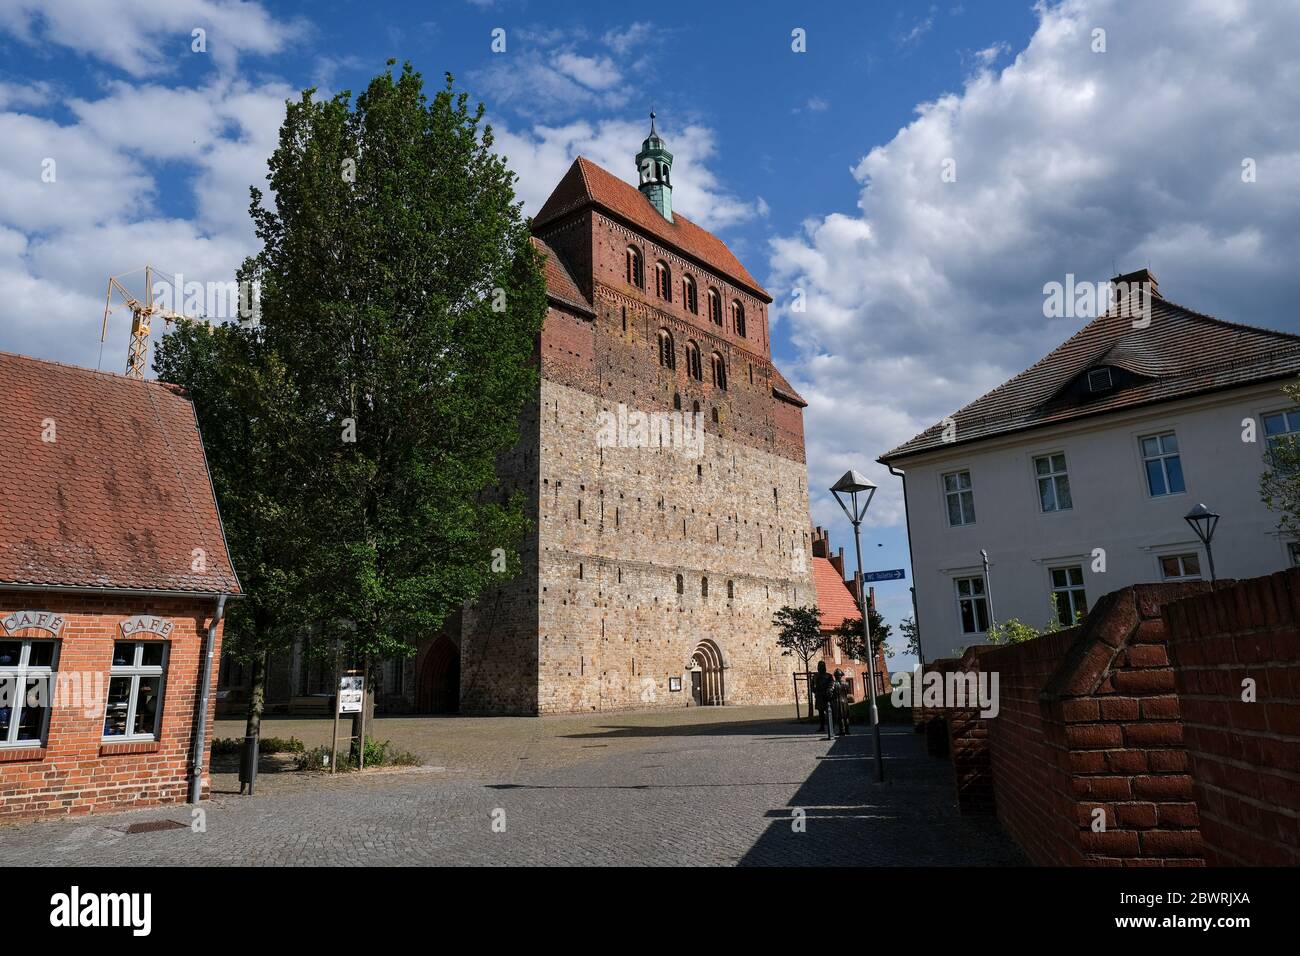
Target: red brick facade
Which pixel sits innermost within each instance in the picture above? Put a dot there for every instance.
(1136, 719)
(78, 770)
(1244, 754)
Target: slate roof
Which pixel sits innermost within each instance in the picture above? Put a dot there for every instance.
(588, 184)
(121, 497)
(1181, 353)
(834, 599)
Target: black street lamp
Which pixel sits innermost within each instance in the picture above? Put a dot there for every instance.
(854, 484)
(1203, 522)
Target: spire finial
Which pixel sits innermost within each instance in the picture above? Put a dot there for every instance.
(652, 122)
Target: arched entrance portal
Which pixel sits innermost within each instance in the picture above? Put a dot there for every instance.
(439, 689)
(706, 674)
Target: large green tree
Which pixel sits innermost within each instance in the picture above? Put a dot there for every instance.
(246, 413)
(403, 295)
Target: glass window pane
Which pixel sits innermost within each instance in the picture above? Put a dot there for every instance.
(123, 654)
(1156, 478)
(1169, 567)
(1274, 424)
(1062, 609)
(1076, 576)
(153, 654)
(1042, 466)
(963, 479)
(963, 586)
(968, 506)
(1063, 492)
(1169, 442)
(982, 613)
(10, 651)
(1293, 420)
(967, 618)
(954, 510)
(8, 700)
(1175, 467)
(36, 702)
(977, 585)
(949, 482)
(1046, 497)
(1150, 447)
(1192, 563)
(150, 693)
(1058, 577)
(1058, 463)
(119, 694)
(41, 654)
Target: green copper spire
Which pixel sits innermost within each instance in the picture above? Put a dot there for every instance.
(654, 164)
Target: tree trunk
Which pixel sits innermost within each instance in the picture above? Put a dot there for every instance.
(257, 695)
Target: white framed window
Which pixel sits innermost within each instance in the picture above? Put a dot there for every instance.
(960, 498)
(1053, 483)
(972, 605)
(1180, 567)
(26, 684)
(1280, 427)
(1163, 464)
(1068, 595)
(135, 690)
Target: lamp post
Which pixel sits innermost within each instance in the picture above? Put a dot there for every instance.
(854, 484)
(1203, 522)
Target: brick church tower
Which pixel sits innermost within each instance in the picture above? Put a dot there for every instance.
(658, 552)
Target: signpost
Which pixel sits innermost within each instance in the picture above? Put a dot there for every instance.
(897, 574)
(350, 699)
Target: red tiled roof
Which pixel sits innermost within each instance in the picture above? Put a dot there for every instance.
(783, 390)
(585, 183)
(834, 600)
(559, 283)
(1179, 354)
(120, 498)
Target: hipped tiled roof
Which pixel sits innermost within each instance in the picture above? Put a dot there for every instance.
(1181, 353)
(586, 183)
(560, 286)
(834, 600)
(119, 498)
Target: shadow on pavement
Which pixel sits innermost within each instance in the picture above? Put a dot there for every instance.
(840, 816)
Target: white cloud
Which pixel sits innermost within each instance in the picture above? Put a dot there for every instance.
(144, 37)
(1067, 161)
(60, 240)
(596, 73)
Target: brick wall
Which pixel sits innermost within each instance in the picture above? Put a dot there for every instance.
(77, 771)
(1088, 728)
(1244, 754)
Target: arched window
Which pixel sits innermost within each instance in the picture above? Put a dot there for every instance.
(677, 401)
(704, 587)
(715, 307)
(689, 295)
(635, 268)
(738, 318)
(663, 281)
(693, 367)
(667, 350)
(681, 584)
(731, 590)
(719, 371)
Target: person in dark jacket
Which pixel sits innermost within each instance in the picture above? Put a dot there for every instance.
(822, 682)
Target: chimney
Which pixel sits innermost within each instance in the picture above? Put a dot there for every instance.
(1133, 292)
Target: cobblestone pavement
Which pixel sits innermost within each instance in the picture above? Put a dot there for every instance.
(711, 787)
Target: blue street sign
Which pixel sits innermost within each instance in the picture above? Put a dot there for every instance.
(895, 575)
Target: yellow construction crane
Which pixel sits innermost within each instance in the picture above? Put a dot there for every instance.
(142, 314)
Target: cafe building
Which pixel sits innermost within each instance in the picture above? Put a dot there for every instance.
(114, 581)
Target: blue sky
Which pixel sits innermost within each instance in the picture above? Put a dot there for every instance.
(820, 168)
